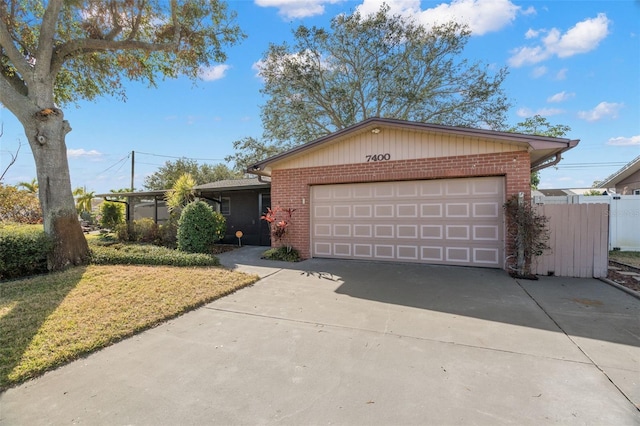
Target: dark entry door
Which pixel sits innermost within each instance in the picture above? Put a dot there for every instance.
(264, 202)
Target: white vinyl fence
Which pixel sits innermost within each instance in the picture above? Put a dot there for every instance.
(624, 216)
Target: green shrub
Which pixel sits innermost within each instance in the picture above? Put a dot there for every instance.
(145, 230)
(168, 233)
(123, 232)
(111, 214)
(19, 206)
(286, 254)
(139, 254)
(23, 250)
(199, 228)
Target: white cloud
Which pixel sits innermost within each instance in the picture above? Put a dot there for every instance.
(562, 74)
(539, 72)
(602, 110)
(583, 37)
(544, 112)
(297, 8)
(529, 11)
(548, 112)
(527, 56)
(213, 73)
(560, 97)
(623, 141)
(482, 16)
(257, 67)
(83, 153)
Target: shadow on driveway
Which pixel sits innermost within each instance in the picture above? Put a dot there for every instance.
(588, 308)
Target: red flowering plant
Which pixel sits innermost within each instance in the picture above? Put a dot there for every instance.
(279, 220)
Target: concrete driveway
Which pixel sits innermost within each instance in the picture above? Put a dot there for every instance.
(360, 343)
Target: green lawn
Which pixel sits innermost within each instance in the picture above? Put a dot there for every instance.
(629, 257)
(49, 320)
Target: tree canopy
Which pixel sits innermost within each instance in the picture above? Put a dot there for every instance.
(539, 125)
(57, 52)
(167, 175)
(248, 151)
(378, 65)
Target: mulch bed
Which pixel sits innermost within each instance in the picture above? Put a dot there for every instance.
(223, 248)
(624, 280)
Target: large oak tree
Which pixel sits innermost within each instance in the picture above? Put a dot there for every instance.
(57, 52)
(379, 65)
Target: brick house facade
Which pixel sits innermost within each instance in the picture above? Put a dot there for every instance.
(414, 152)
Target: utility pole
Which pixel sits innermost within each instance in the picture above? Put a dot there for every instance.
(133, 165)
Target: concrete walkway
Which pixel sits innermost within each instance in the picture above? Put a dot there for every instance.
(355, 343)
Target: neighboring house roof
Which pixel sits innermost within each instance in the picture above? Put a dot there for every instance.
(555, 192)
(233, 185)
(626, 171)
(221, 185)
(159, 193)
(541, 148)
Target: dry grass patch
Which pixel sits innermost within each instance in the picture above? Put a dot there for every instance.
(49, 320)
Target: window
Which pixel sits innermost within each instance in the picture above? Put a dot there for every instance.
(636, 192)
(225, 206)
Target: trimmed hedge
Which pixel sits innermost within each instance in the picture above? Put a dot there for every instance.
(137, 254)
(23, 250)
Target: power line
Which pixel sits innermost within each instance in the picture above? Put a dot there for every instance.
(116, 163)
(589, 165)
(187, 158)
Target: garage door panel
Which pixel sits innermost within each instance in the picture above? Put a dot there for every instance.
(362, 231)
(463, 225)
(431, 232)
(457, 210)
(491, 210)
(363, 211)
(490, 257)
(431, 189)
(407, 231)
(487, 187)
(363, 251)
(457, 187)
(407, 210)
(458, 254)
(457, 232)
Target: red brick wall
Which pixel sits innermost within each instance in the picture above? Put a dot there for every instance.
(289, 187)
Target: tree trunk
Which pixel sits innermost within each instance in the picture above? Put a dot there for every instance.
(46, 133)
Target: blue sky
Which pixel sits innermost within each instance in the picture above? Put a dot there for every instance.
(575, 62)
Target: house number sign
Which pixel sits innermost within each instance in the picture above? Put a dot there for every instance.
(378, 157)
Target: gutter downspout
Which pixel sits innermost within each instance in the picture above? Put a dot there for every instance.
(548, 164)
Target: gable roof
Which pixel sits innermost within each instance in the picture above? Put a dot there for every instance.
(541, 148)
(626, 171)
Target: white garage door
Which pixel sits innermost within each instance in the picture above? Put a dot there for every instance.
(444, 221)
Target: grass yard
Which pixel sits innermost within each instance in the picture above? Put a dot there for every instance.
(631, 258)
(49, 320)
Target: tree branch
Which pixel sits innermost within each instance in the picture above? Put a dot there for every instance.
(11, 98)
(6, 41)
(82, 46)
(47, 35)
(14, 157)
